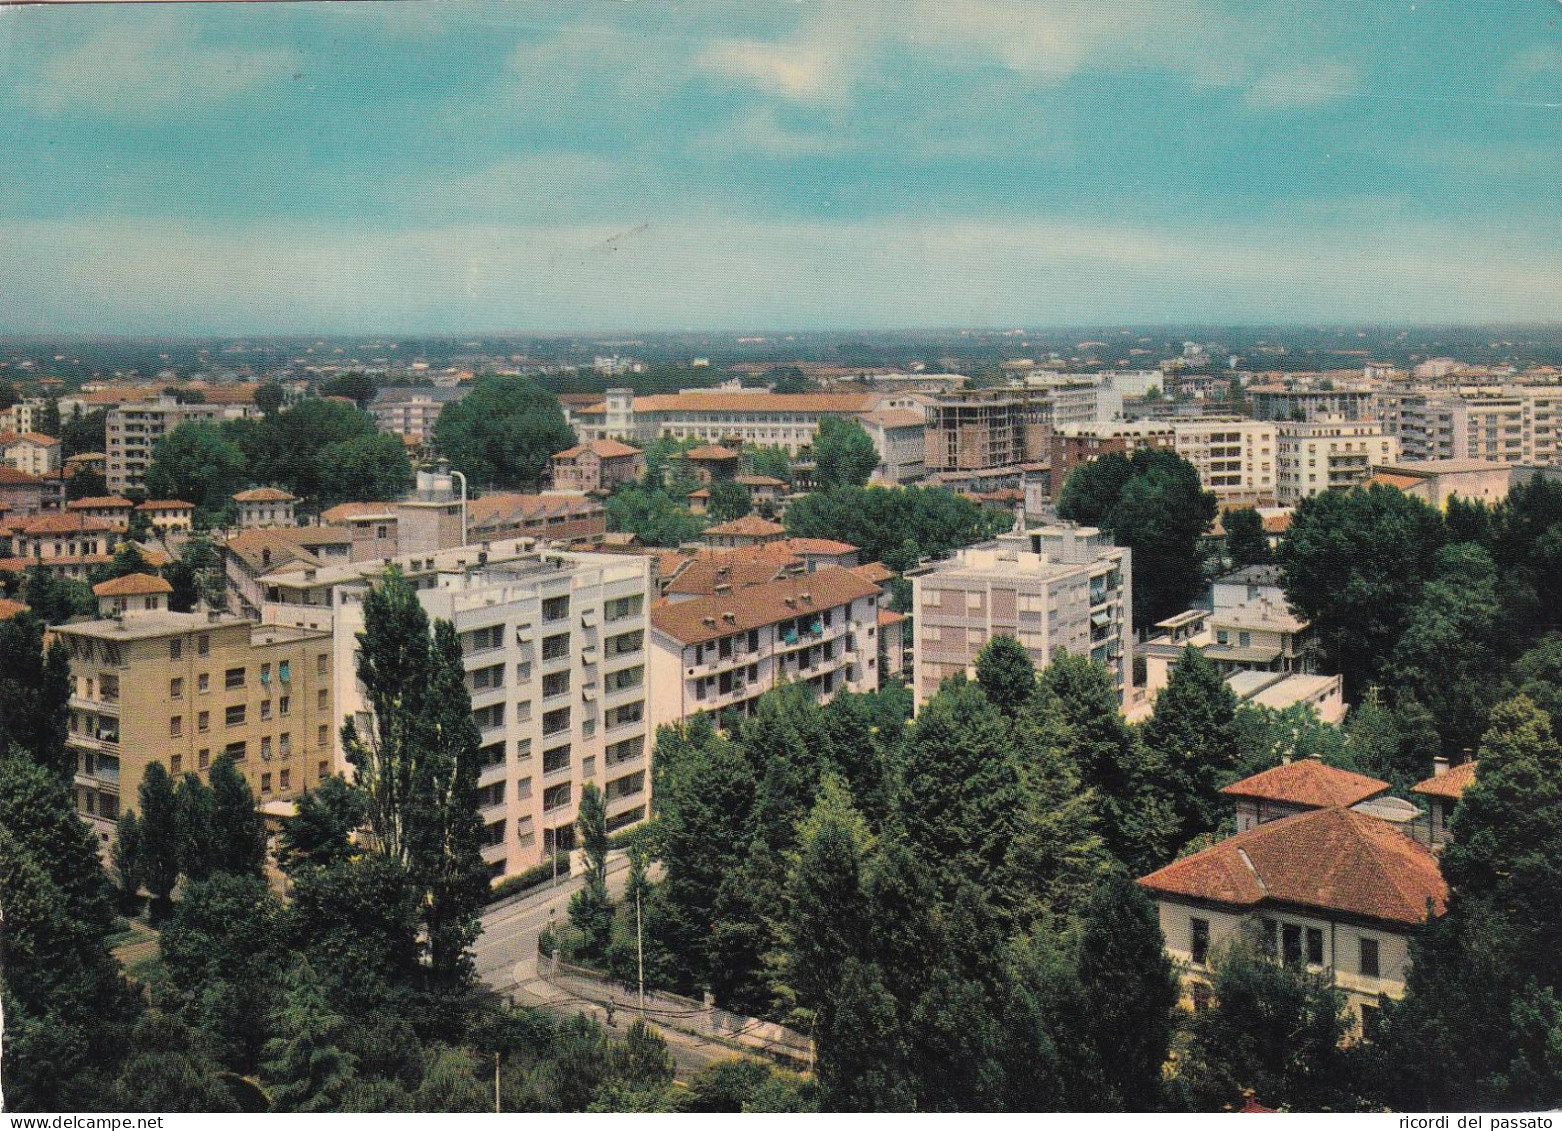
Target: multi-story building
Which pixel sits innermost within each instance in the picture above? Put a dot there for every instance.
(900, 437)
(1323, 454)
(1236, 459)
(1051, 587)
(25, 415)
(261, 508)
(1519, 424)
(599, 465)
(133, 429)
(32, 452)
(65, 545)
(1435, 481)
(986, 429)
(1074, 444)
(110, 508)
(1310, 402)
(1079, 398)
(182, 688)
(722, 652)
(411, 412)
(786, 420)
(166, 515)
(555, 651)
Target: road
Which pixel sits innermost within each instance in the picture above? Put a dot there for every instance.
(506, 956)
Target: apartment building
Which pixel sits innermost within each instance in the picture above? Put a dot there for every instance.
(786, 420)
(1074, 444)
(1324, 454)
(1236, 459)
(899, 436)
(1081, 398)
(133, 429)
(555, 651)
(411, 412)
(1510, 425)
(32, 452)
(65, 545)
(26, 415)
(1050, 587)
(182, 688)
(722, 652)
(986, 429)
(108, 508)
(1304, 402)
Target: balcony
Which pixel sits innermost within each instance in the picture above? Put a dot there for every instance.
(88, 703)
(95, 742)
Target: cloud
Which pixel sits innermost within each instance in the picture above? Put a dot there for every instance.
(1305, 87)
(147, 68)
(902, 271)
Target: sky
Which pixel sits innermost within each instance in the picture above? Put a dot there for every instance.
(437, 167)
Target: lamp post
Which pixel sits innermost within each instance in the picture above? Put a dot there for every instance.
(462, 476)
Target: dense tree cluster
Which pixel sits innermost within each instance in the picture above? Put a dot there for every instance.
(503, 433)
(899, 526)
(843, 453)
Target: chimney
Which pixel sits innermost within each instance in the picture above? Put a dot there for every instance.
(1439, 766)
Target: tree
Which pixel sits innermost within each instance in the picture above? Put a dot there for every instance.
(1158, 508)
(771, 460)
(591, 909)
(305, 1067)
(319, 831)
(83, 432)
(1130, 992)
(35, 690)
(196, 462)
(196, 822)
(652, 515)
(238, 829)
(368, 468)
(728, 500)
(1006, 673)
(503, 433)
(450, 1084)
(126, 855)
(1246, 543)
(84, 483)
(359, 387)
(898, 527)
(55, 600)
(844, 455)
(268, 398)
(49, 420)
(159, 855)
(166, 1072)
(1193, 730)
(128, 559)
(1538, 675)
(1447, 655)
(1355, 563)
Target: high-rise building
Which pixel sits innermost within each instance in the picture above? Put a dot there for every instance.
(133, 429)
(1236, 459)
(1051, 587)
(1316, 456)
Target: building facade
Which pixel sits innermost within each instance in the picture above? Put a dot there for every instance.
(1236, 459)
(1074, 444)
(1324, 454)
(131, 431)
(599, 465)
(1050, 588)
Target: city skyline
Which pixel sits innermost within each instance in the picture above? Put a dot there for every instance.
(455, 168)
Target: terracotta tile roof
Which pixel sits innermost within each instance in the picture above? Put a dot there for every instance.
(166, 505)
(760, 481)
(702, 493)
(341, 512)
(888, 617)
(264, 495)
(21, 565)
(759, 402)
(602, 449)
(710, 452)
(508, 508)
(819, 546)
(686, 621)
(132, 585)
(1308, 781)
(1389, 479)
(749, 526)
(286, 545)
(100, 502)
(87, 457)
(37, 438)
(10, 608)
(1451, 784)
(704, 574)
(9, 476)
(1332, 860)
(64, 524)
(876, 572)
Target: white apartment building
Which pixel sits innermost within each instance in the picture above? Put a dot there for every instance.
(1512, 425)
(411, 412)
(722, 652)
(1320, 455)
(1051, 587)
(1236, 459)
(556, 661)
(133, 429)
(24, 416)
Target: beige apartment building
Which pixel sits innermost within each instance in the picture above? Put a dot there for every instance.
(183, 688)
(1509, 425)
(1051, 587)
(1327, 453)
(133, 429)
(1236, 459)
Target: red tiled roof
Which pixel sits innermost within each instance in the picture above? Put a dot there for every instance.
(819, 546)
(132, 585)
(9, 476)
(740, 611)
(99, 502)
(704, 574)
(876, 572)
(37, 438)
(1308, 782)
(750, 525)
(758, 402)
(710, 452)
(1450, 784)
(10, 608)
(602, 449)
(64, 524)
(888, 617)
(166, 505)
(1334, 860)
(264, 495)
(344, 511)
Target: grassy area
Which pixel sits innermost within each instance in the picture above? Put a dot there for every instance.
(136, 947)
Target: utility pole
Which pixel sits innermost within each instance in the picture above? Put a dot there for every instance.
(497, 1109)
(640, 949)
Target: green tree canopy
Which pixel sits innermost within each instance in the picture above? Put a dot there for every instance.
(897, 526)
(1006, 673)
(844, 455)
(503, 433)
(1246, 543)
(198, 463)
(1193, 730)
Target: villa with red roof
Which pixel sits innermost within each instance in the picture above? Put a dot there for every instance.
(598, 465)
(1442, 791)
(1298, 787)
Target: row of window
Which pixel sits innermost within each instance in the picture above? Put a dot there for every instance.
(1289, 943)
(237, 714)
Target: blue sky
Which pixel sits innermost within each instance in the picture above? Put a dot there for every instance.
(430, 167)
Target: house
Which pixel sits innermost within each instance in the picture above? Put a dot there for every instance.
(1298, 787)
(32, 452)
(264, 507)
(136, 592)
(597, 465)
(66, 545)
(763, 490)
(168, 514)
(10, 608)
(1334, 890)
(110, 508)
(711, 462)
(1443, 790)
(698, 502)
(86, 461)
(561, 516)
(22, 493)
(750, 530)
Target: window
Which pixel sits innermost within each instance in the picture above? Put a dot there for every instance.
(623, 751)
(555, 721)
(265, 709)
(176, 649)
(1199, 930)
(284, 704)
(265, 749)
(324, 769)
(203, 759)
(491, 716)
(1314, 946)
(265, 783)
(555, 684)
(176, 726)
(623, 716)
(1291, 944)
(485, 678)
(482, 639)
(323, 663)
(491, 795)
(555, 608)
(176, 688)
(203, 721)
(626, 786)
(323, 735)
(265, 673)
(555, 647)
(555, 759)
(1369, 958)
(175, 764)
(203, 644)
(284, 779)
(233, 679)
(236, 750)
(620, 607)
(203, 683)
(556, 797)
(285, 670)
(234, 716)
(627, 643)
(285, 744)
(322, 699)
(627, 678)
(493, 835)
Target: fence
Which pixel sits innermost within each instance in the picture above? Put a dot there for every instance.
(702, 1019)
